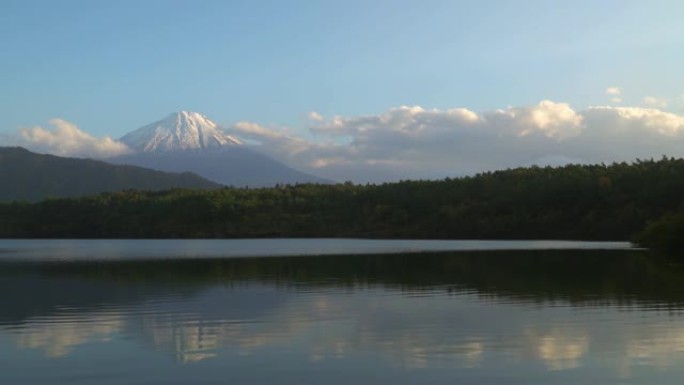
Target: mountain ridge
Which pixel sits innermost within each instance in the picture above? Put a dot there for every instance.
(30, 176)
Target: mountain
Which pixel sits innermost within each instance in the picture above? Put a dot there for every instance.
(189, 141)
(180, 131)
(25, 175)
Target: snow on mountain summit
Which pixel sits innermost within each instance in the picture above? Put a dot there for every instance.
(179, 131)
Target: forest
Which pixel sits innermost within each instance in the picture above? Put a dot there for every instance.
(641, 200)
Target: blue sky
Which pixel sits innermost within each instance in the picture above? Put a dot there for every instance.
(112, 66)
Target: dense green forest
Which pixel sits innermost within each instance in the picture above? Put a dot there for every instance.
(607, 202)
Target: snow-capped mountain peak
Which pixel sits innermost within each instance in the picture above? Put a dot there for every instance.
(183, 130)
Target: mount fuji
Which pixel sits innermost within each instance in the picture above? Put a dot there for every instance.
(180, 131)
(189, 141)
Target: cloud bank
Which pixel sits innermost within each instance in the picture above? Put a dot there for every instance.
(66, 139)
(412, 142)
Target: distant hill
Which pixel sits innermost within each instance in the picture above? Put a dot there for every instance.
(25, 175)
(232, 166)
(189, 141)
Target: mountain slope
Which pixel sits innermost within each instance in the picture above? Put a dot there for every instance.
(180, 131)
(29, 176)
(237, 166)
(189, 141)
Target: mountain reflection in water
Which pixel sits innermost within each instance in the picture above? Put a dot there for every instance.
(589, 316)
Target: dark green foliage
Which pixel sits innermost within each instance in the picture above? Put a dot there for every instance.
(31, 177)
(571, 202)
(665, 234)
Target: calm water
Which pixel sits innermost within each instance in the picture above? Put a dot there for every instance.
(481, 317)
(221, 248)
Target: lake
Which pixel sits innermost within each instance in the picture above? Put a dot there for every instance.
(118, 249)
(369, 312)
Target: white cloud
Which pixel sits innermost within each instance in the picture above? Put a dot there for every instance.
(614, 91)
(615, 94)
(279, 141)
(652, 101)
(553, 120)
(640, 121)
(67, 139)
(414, 142)
(315, 116)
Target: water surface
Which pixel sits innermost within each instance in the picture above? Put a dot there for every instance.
(480, 317)
(69, 249)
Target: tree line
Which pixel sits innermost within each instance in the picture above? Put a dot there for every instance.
(594, 202)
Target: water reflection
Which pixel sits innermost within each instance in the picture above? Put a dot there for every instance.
(57, 335)
(609, 316)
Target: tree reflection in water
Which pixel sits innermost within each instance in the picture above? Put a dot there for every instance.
(471, 312)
